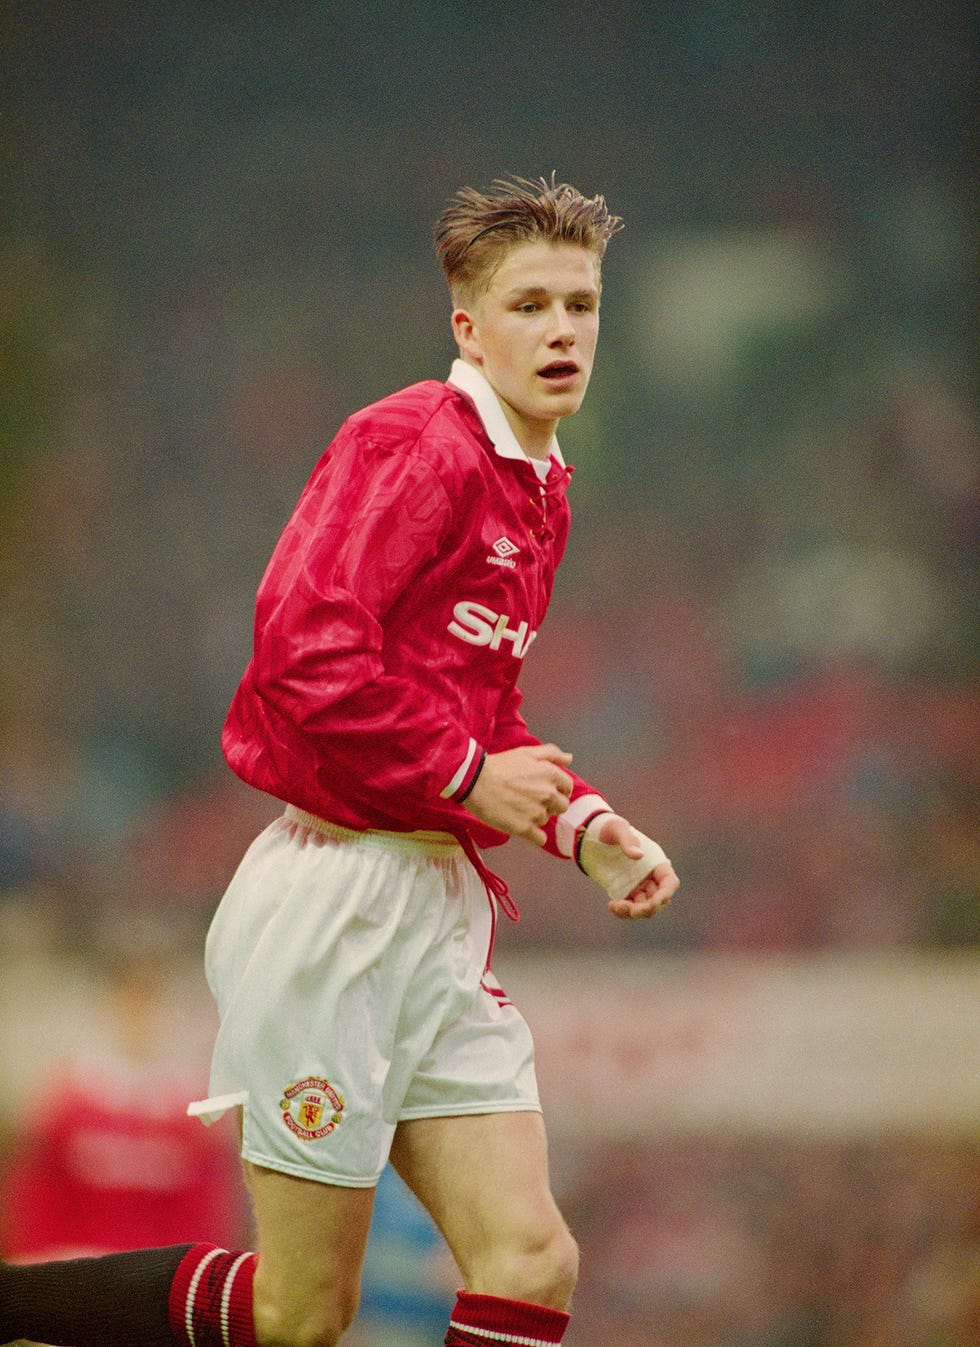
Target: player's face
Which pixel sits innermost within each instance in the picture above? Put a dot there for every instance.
(533, 335)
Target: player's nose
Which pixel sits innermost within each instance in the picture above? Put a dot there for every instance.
(562, 329)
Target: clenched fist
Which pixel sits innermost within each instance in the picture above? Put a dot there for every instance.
(518, 790)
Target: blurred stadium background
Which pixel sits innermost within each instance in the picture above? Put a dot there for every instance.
(214, 245)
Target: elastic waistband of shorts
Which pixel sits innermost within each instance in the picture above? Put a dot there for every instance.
(429, 843)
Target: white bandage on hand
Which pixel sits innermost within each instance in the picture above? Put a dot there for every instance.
(610, 867)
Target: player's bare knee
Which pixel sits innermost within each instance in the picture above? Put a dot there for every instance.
(562, 1260)
(541, 1268)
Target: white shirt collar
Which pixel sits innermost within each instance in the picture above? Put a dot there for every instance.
(468, 379)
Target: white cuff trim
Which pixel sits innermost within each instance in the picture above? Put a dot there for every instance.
(567, 824)
(449, 791)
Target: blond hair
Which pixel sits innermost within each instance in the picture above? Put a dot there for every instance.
(477, 228)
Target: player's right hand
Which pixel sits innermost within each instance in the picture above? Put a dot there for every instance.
(519, 789)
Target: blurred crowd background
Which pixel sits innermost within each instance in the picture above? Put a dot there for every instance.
(215, 243)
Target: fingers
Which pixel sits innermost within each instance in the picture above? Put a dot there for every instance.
(635, 909)
(555, 803)
(551, 753)
(519, 789)
(647, 899)
(555, 785)
(562, 782)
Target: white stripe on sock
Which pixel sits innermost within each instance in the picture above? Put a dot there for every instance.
(226, 1297)
(492, 1336)
(192, 1292)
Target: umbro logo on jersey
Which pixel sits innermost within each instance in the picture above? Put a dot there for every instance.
(504, 551)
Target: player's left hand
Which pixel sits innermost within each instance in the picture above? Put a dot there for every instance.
(653, 892)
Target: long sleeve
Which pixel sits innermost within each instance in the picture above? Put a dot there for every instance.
(320, 673)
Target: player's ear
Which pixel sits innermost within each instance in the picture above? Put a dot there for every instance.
(467, 334)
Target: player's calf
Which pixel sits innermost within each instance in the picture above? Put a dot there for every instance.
(312, 1325)
(536, 1264)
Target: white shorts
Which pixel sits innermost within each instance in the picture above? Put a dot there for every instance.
(350, 973)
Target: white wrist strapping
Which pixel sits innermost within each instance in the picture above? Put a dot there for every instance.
(610, 867)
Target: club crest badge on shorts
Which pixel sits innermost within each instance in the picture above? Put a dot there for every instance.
(311, 1108)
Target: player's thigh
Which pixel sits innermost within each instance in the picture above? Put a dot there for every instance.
(484, 1179)
(311, 1239)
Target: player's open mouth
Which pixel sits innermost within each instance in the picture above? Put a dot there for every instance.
(559, 369)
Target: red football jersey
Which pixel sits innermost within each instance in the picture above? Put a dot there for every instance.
(395, 613)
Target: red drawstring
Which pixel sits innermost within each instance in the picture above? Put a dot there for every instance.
(554, 487)
(495, 886)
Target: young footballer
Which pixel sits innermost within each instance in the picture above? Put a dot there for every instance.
(350, 957)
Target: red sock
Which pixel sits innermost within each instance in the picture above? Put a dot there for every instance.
(482, 1321)
(211, 1298)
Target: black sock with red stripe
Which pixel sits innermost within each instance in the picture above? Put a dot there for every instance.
(120, 1300)
(211, 1298)
(190, 1295)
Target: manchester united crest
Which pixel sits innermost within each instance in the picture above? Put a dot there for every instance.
(311, 1108)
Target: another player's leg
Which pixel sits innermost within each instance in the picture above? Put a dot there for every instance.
(189, 1295)
(92, 1302)
(484, 1178)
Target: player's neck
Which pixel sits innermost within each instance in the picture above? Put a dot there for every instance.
(535, 437)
